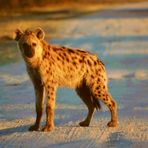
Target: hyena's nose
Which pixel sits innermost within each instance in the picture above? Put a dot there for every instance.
(28, 50)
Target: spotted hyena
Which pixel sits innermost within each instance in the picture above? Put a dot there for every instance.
(50, 67)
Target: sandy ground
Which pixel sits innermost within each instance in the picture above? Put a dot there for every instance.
(129, 133)
(121, 34)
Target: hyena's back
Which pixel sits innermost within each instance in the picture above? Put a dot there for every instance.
(73, 67)
(78, 69)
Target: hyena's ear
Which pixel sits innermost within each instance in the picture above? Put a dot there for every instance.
(39, 33)
(17, 34)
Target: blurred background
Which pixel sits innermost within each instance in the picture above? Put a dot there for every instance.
(115, 30)
(17, 4)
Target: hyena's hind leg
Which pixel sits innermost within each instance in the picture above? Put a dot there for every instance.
(113, 109)
(106, 98)
(86, 98)
(84, 92)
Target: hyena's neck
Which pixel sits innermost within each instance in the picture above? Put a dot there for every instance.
(47, 60)
(46, 50)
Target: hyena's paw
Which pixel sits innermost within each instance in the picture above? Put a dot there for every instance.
(47, 128)
(84, 123)
(112, 124)
(34, 128)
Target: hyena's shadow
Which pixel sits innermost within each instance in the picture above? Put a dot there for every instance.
(18, 129)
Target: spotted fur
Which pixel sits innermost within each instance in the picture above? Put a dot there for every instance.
(50, 67)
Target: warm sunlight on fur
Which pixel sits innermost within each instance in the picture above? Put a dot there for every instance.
(50, 67)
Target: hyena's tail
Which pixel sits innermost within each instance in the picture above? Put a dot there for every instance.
(96, 103)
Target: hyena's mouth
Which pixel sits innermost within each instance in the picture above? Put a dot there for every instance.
(28, 50)
(29, 53)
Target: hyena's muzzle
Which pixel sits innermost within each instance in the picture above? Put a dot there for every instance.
(28, 50)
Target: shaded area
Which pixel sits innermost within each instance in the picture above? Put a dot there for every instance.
(18, 129)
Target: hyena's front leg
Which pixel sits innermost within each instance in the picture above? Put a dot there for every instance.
(39, 94)
(50, 106)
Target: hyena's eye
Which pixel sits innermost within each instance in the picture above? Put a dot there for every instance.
(34, 44)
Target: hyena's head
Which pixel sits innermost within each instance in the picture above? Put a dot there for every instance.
(30, 44)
